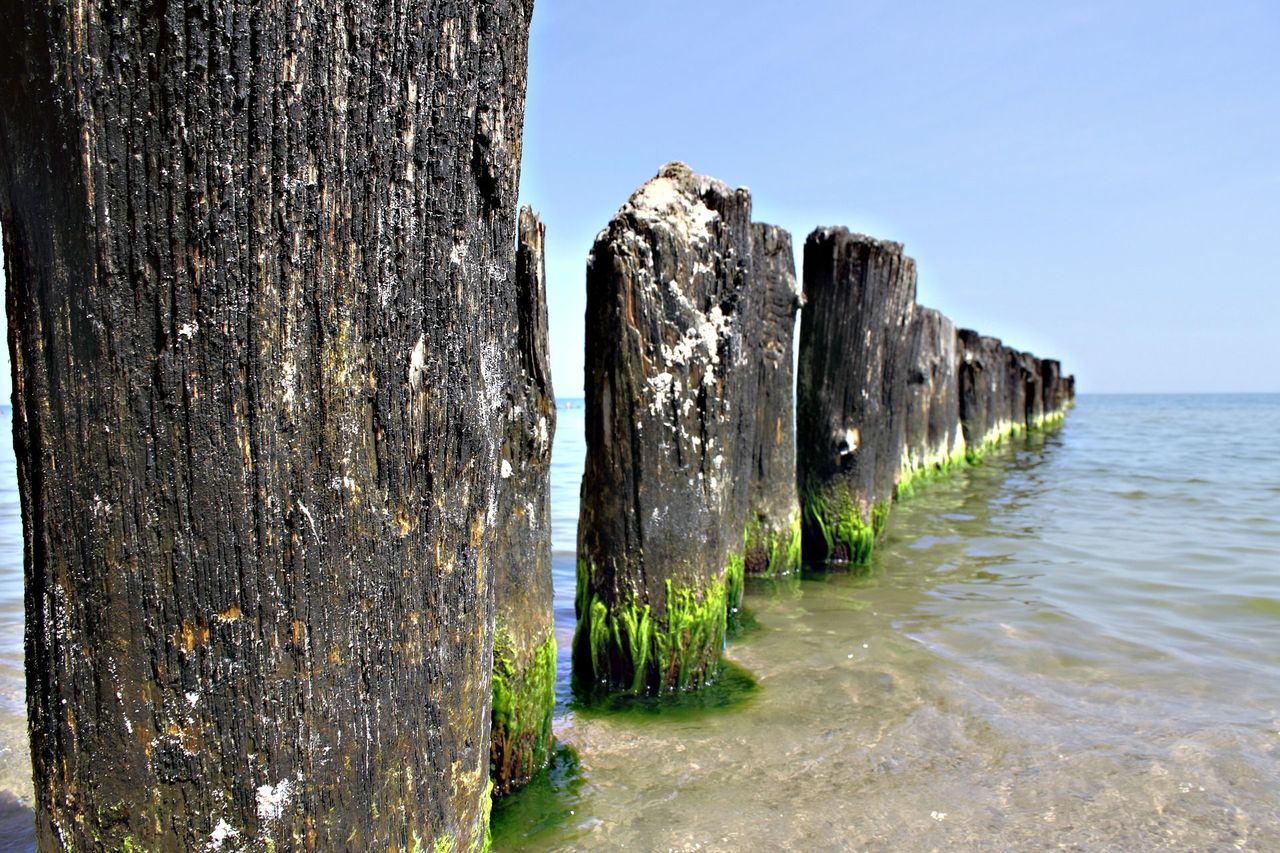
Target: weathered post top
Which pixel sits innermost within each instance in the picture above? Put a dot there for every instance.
(859, 293)
(668, 419)
(933, 439)
(984, 404)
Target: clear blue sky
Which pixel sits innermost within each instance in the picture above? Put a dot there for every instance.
(1094, 181)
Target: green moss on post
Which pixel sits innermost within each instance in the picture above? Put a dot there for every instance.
(913, 479)
(770, 552)
(849, 533)
(733, 583)
(627, 648)
(523, 701)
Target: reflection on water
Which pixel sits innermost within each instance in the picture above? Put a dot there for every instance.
(1075, 644)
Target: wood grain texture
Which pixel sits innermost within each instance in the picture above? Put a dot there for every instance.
(669, 422)
(261, 304)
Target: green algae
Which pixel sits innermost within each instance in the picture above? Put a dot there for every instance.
(627, 647)
(481, 837)
(911, 479)
(730, 688)
(772, 552)
(523, 702)
(694, 634)
(482, 842)
(734, 572)
(847, 534)
(545, 807)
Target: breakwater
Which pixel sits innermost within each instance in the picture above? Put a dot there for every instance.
(315, 514)
(691, 476)
(889, 393)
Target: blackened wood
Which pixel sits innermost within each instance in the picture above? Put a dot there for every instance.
(773, 513)
(933, 439)
(984, 407)
(1016, 390)
(1051, 386)
(259, 263)
(524, 642)
(859, 294)
(1069, 391)
(1033, 391)
(669, 409)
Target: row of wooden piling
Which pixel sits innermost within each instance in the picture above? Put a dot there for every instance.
(694, 475)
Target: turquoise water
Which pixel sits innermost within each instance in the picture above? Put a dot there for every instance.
(1076, 644)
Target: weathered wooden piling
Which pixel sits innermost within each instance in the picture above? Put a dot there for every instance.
(859, 293)
(933, 440)
(773, 513)
(1068, 391)
(260, 297)
(1016, 391)
(1052, 389)
(669, 415)
(985, 407)
(1033, 392)
(524, 646)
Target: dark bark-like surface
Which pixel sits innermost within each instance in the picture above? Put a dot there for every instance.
(773, 512)
(1051, 385)
(933, 439)
(1032, 391)
(1016, 390)
(984, 391)
(670, 397)
(859, 293)
(524, 642)
(260, 297)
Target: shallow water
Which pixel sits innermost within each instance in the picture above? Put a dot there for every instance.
(1076, 644)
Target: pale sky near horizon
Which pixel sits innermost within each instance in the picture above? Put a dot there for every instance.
(1098, 182)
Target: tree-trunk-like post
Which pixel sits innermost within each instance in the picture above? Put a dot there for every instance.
(524, 646)
(859, 293)
(260, 296)
(669, 413)
(773, 513)
(1051, 389)
(984, 407)
(1033, 392)
(933, 440)
(1016, 385)
(1068, 392)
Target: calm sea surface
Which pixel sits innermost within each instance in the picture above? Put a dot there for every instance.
(1076, 644)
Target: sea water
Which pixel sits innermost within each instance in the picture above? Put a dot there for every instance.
(1075, 644)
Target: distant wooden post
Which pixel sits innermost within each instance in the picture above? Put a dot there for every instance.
(933, 440)
(984, 400)
(859, 294)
